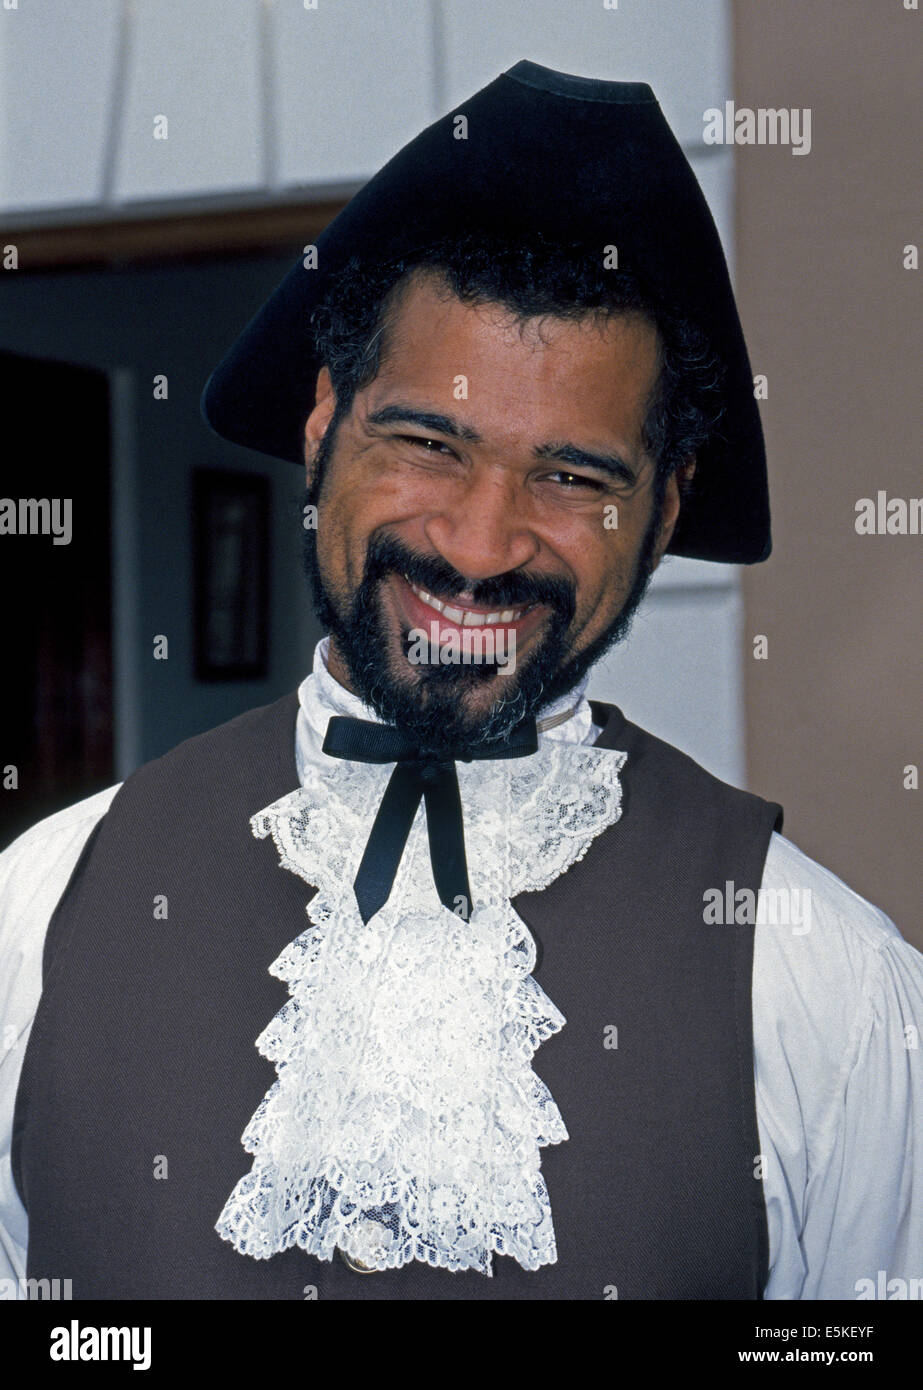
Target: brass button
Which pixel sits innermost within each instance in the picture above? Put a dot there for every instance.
(355, 1265)
(366, 1236)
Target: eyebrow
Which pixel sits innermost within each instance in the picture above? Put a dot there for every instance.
(439, 424)
(398, 414)
(582, 458)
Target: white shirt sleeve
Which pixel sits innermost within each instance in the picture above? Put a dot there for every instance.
(837, 1024)
(34, 871)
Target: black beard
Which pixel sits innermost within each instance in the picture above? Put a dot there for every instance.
(431, 710)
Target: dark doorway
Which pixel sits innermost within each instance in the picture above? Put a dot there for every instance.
(57, 729)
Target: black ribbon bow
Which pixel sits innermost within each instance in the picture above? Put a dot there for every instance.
(414, 778)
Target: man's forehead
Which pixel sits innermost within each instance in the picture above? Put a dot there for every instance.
(425, 294)
(483, 364)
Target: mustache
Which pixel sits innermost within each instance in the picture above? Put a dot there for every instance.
(385, 556)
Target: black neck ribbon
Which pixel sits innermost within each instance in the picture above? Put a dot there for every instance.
(416, 777)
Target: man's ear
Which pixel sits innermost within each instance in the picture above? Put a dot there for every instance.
(315, 427)
(677, 485)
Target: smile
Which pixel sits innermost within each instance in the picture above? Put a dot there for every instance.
(467, 617)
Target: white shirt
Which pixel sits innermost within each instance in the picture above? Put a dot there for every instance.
(837, 1014)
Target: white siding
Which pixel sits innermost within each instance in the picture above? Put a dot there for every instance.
(199, 65)
(679, 673)
(57, 68)
(680, 47)
(354, 82)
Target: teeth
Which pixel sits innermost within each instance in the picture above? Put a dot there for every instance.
(463, 616)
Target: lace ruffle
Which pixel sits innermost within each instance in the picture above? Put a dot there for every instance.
(406, 1121)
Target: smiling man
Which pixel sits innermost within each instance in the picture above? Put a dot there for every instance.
(469, 987)
(496, 511)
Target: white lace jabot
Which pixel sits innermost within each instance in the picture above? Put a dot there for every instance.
(406, 1121)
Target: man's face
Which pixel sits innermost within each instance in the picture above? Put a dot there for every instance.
(498, 469)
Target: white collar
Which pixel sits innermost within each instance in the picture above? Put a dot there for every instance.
(385, 1133)
(320, 696)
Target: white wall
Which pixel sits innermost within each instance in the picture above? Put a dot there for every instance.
(268, 96)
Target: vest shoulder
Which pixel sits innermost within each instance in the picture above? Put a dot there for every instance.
(651, 755)
(257, 730)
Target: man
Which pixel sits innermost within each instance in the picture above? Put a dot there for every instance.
(512, 1050)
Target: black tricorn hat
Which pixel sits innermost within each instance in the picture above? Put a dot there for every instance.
(578, 160)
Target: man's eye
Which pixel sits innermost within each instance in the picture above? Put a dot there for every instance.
(573, 482)
(430, 446)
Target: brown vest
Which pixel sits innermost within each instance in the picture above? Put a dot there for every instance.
(143, 1043)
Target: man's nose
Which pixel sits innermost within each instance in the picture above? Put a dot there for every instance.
(483, 530)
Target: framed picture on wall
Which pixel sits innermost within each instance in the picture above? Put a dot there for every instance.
(231, 569)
